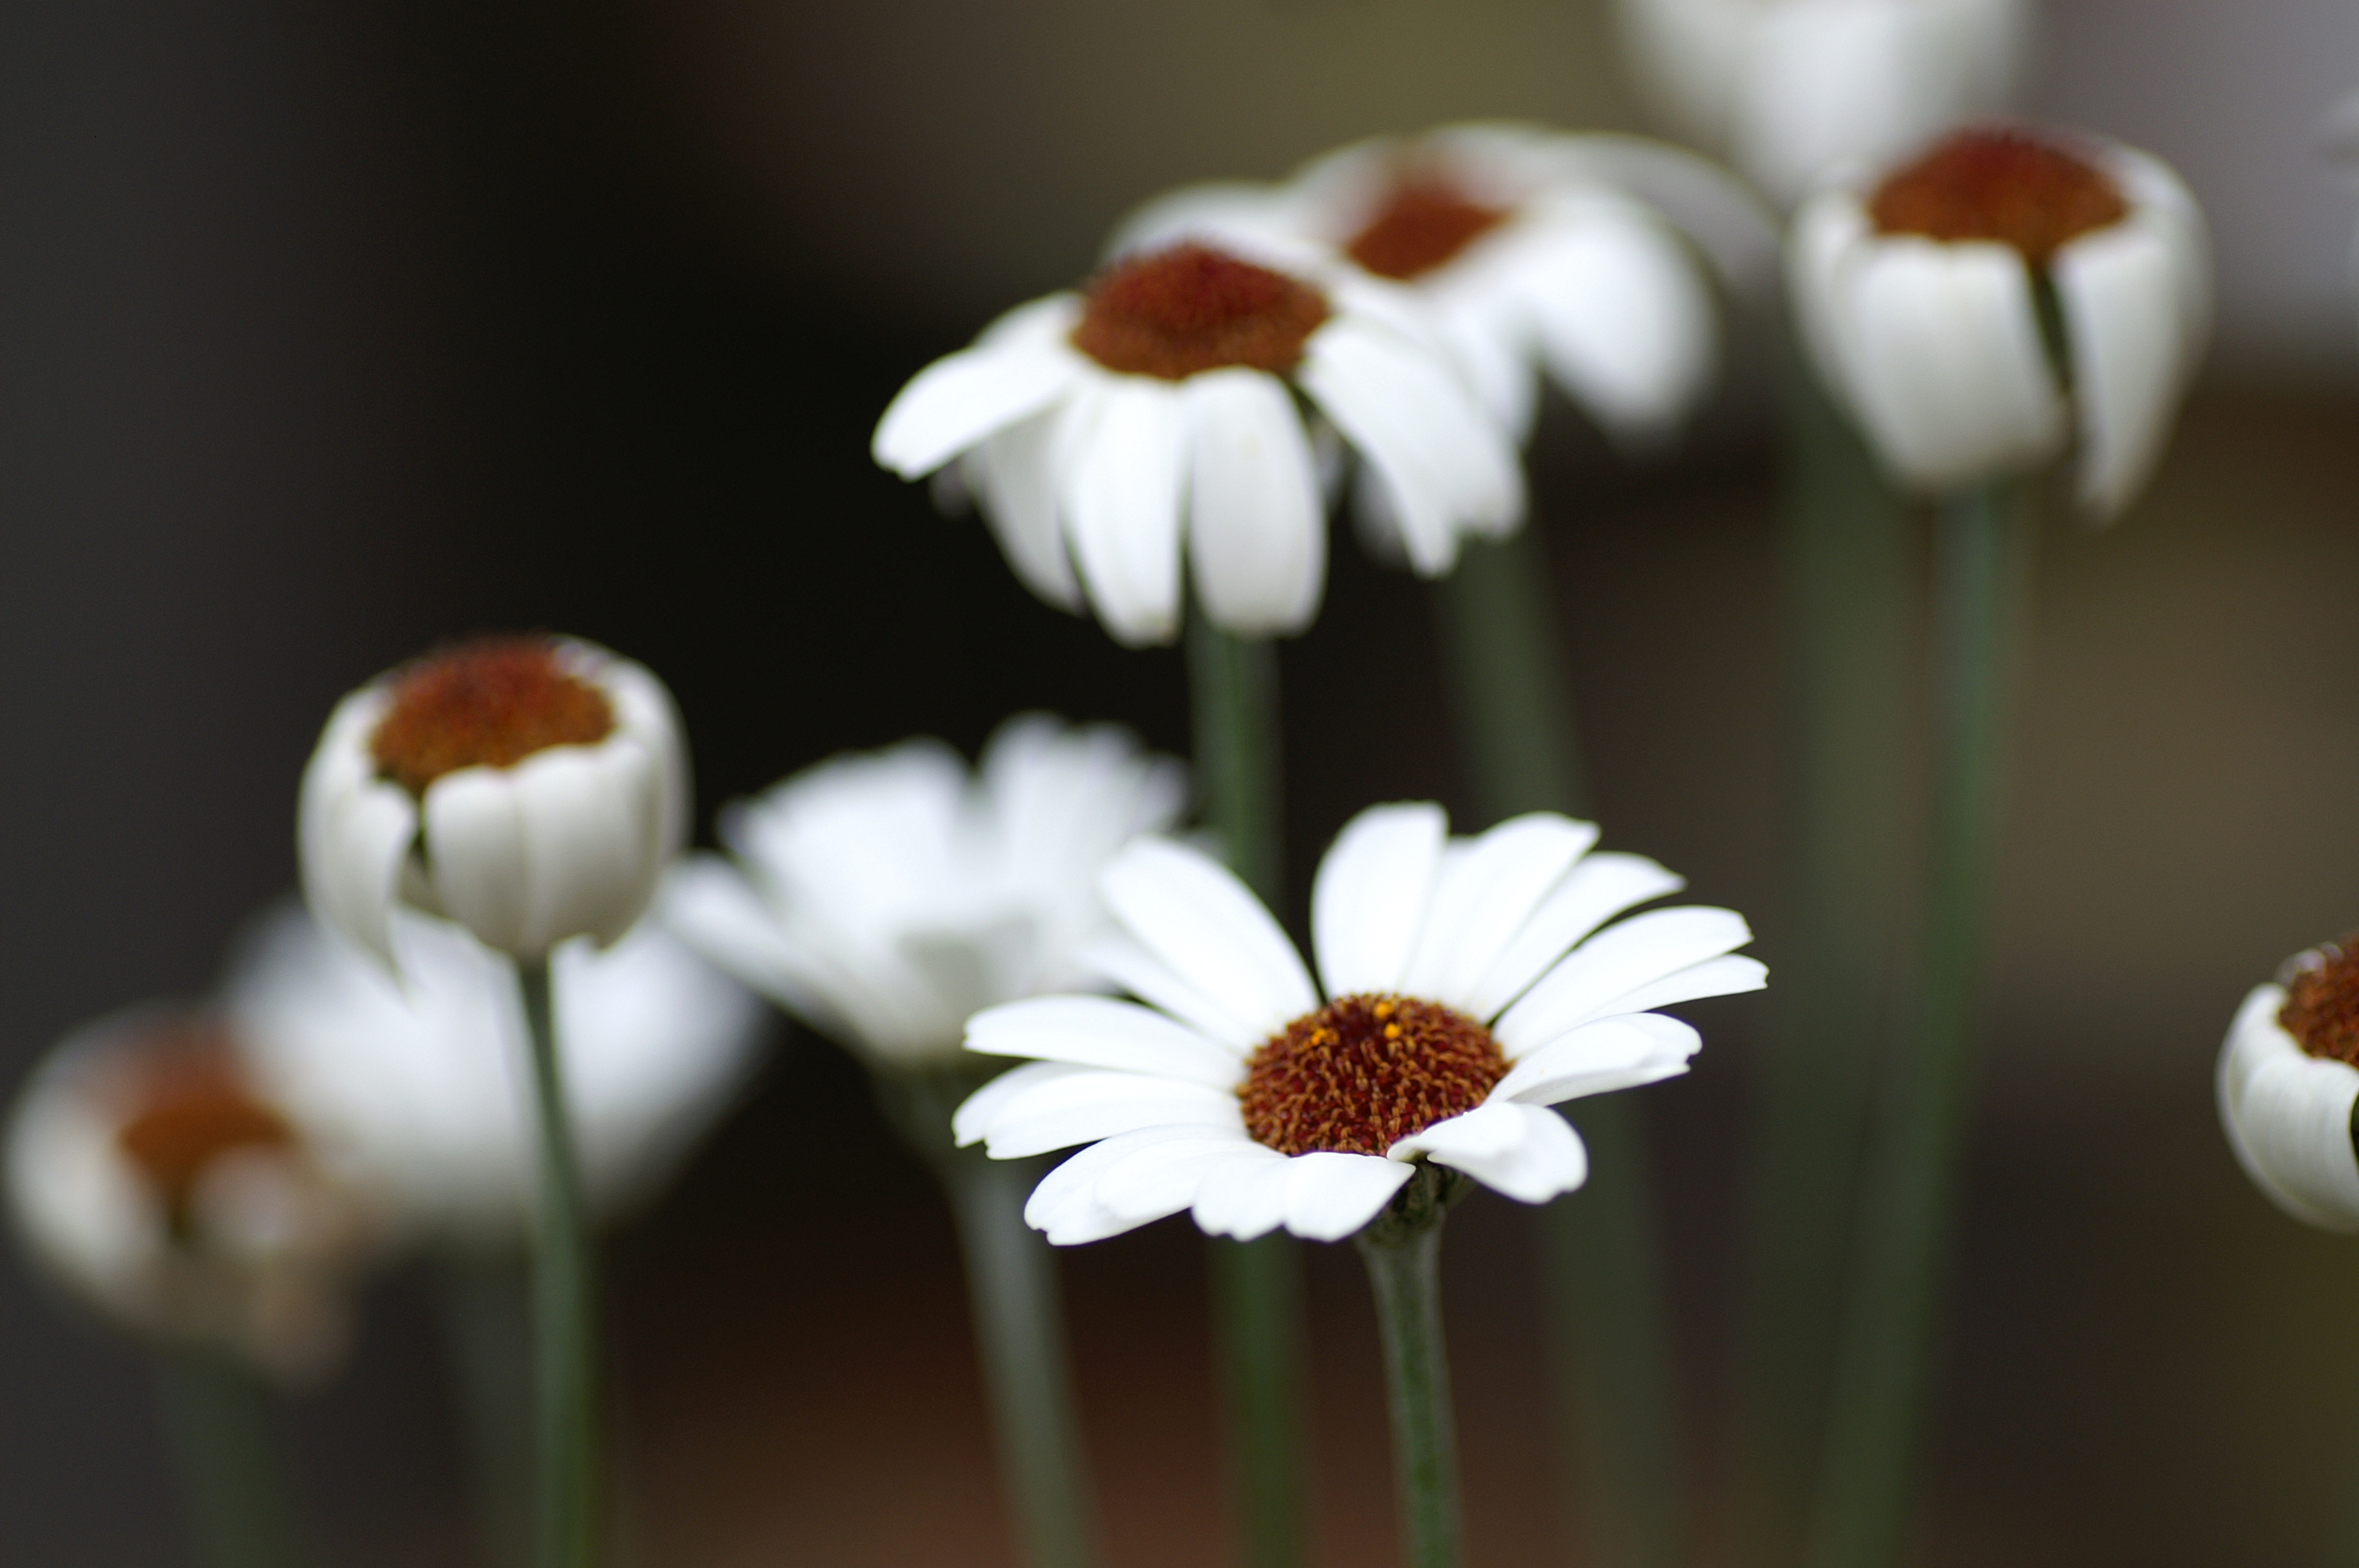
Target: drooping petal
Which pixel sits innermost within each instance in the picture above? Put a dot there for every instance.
(1168, 1177)
(1098, 1032)
(2119, 290)
(1086, 1105)
(1524, 1151)
(1123, 478)
(1598, 888)
(1018, 474)
(581, 809)
(1594, 977)
(1022, 365)
(709, 905)
(476, 857)
(2288, 1116)
(971, 1122)
(1064, 1206)
(1368, 902)
(1244, 1197)
(1625, 320)
(1331, 1197)
(1201, 922)
(1830, 232)
(1129, 966)
(1487, 891)
(1610, 1053)
(1257, 528)
(354, 830)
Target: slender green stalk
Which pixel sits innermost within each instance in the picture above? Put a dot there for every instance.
(483, 1303)
(1851, 580)
(1256, 1285)
(1602, 1255)
(1883, 1368)
(217, 1416)
(1403, 1249)
(565, 1328)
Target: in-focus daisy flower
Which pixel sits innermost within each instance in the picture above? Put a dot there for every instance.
(1788, 89)
(530, 788)
(149, 1173)
(1534, 249)
(1466, 988)
(411, 1089)
(1106, 432)
(2006, 291)
(883, 897)
(2288, 1083)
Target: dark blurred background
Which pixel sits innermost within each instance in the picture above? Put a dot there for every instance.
(327, 332)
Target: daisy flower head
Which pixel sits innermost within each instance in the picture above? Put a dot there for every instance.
(883, 897)
(150, 1172)
(413, 1090)
(530, 788)
(1465, 987)
(1167, 410)
(1998, 295)
(2288, 1082)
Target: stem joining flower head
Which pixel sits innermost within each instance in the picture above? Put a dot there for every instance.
(1425, 221)
(1178, 312)
(2321, 1005)
(1364, 1072)
(188, 1105)
(489, 702)
(1999, 183)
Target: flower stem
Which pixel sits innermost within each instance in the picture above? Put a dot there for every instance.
(564, 1322)
(1882, 1373)
(1256, 1285)
(1403, 1249)
(1601, 1252)
(484, 1304)
(217, 1416)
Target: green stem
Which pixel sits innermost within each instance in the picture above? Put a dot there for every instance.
(217, 1416)
(1602, 1257)
(1256, 1285)
(564, 1322)
(1403, 1249)
(483, 1303)
(1883, 1368)
(1851, 580)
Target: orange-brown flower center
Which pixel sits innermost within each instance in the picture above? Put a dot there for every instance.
(189, 1103)
(2321, 1005)
(1178, 312)
(1424, 222)
(2003, 184)
(488, 703)
(1364, 1072)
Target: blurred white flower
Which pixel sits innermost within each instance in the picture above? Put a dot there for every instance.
(1531, 247)
(1103, 430)
(150, 1172)
(2287, 1088)
(2006, 291)
(1467, 989)
(530, 788)
(881, 898)
(1788, 89)
(415, 1088)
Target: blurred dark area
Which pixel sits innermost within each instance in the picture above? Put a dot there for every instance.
(329, 332)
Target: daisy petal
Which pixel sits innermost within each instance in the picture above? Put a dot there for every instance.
(1201, 922)
(1329, 1197)
(1594, 977)
(1625, 321)
(1131, 967)
(2120, 292)
(2289, 1117)
(1619, 1052)
(1088, 1106)
(1122, 493)
(1168, 1177)
(953, 404)
(1369, 901)
(1257, 526)
(1245, 1197)
(1525, 1151)
(1714, 977)
(1097, 1032)
(582, 809)
(971, 1122)
(1064, 1205)
(1018, 476)
(1598, 888)
(1487, 889)
(475, 854)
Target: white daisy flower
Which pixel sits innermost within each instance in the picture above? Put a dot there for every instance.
(2001, 295)
(1468, 987)
(2288, 1087)
(1788, 89)
(883, 897)
(150, 1172)
(530, 788)
(1103, 431)
(415, 1089)
(1532, 248)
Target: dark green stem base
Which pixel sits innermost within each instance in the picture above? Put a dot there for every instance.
(217, 1415)
(1403, 1249)
(565, 1330)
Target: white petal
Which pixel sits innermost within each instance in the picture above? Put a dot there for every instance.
(1096, 1031)
(1594, 977)
(1132, 968)
(1018, 473)
(1525, 1151)
(1714, 977)
(709, 905)
(354, 830)
(1244, 1198)
(1610, 1054)
(1021, 366)
(971, 1122)
(1598, 888)
(1331, 1197)
(475, 855)
(1368, 903)
(1831, 82)
(1064, 1204)
(583, 810)
(1257, 528)
(1123, 478)
(1829, 233)
(1086, 1105)
(1168, 1177)
(1489, 888)
(1625, 319)
(1201, 922)
(2119, 290)
(2288, 1115)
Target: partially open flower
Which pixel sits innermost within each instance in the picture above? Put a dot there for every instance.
(1104, 430)
(150, 1174)
(530, 788)
(409, 1089)
(2288, 1083)
(882, 898)
(1468, 987)
(2007, 290)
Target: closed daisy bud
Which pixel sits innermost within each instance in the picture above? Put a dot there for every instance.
(2288, 1082)
(530, 788)
(150, 1172)
(2007, 293)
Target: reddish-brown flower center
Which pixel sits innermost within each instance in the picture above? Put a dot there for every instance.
(488, 703)
(1364, 1072)
(189, 1103)
(2321, 1005)
(1997, 183)
(1424, 222)
(1175, 313)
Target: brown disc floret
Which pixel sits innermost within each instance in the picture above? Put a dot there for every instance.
(1178, 312)
(2000, 183)
(2321, 1005)
(490, 703)
(1424, 223)
(1364, 1072)
(187, 1104)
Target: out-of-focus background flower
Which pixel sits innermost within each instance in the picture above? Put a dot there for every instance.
(328, 332)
